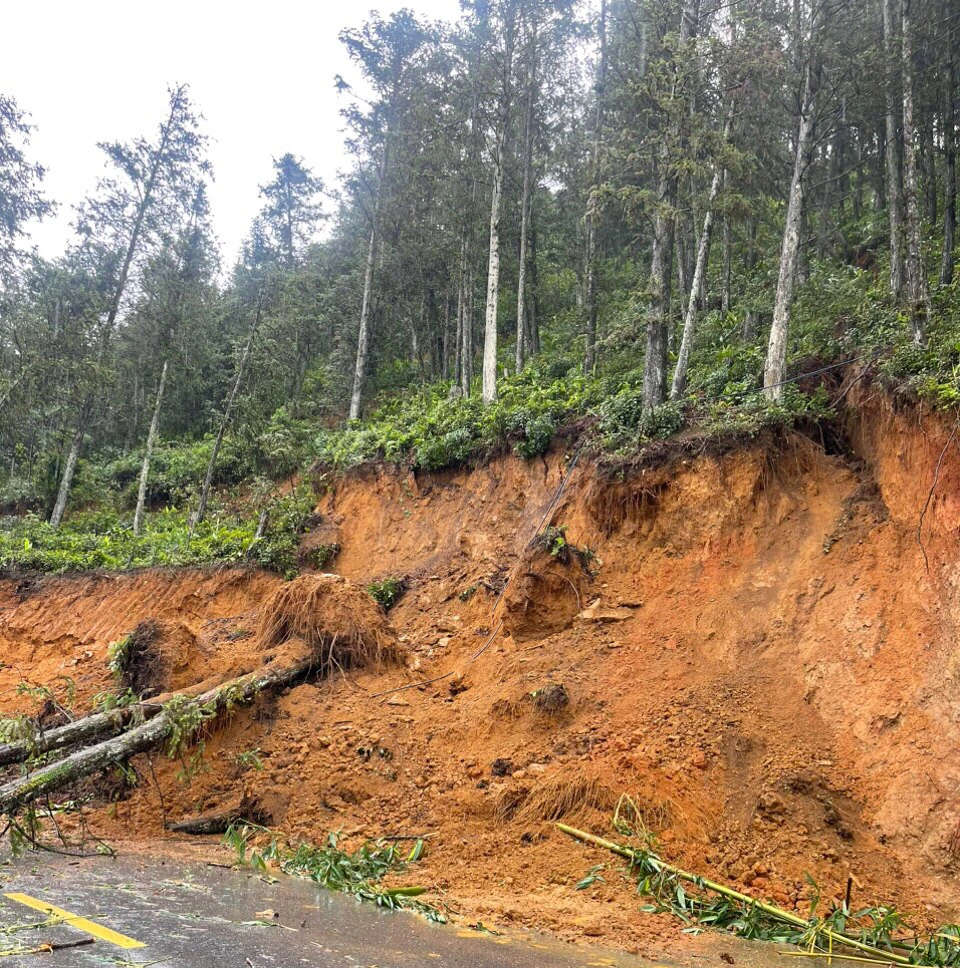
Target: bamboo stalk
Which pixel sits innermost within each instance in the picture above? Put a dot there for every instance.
(779, 913)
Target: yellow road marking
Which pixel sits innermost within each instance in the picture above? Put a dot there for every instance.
(91, 927)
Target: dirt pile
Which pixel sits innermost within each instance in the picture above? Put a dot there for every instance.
(761, 660)
(338, 622)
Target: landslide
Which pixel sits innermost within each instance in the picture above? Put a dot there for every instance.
(754, 649)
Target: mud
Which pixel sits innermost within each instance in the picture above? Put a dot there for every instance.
(762, 659)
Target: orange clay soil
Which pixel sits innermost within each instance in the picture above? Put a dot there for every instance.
(771, 672)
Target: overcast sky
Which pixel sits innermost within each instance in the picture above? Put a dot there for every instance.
(262, 74)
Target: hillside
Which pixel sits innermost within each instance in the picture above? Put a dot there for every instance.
(753, 650)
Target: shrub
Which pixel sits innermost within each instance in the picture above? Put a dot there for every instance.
(386, 592)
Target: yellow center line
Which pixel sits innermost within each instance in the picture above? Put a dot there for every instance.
(91, 927)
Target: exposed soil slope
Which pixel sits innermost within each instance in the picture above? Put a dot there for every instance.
(770, 671)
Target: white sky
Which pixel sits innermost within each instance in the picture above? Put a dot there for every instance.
(262, 74)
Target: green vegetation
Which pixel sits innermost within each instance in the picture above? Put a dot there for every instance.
(250, 760)
(323, 554)
(877, 932)
(359, 873)
(299, 360)
(118, 655)
(386, 591)
(103, 539)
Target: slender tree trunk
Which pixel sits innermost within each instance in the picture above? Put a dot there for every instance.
(468, 319)
(70, 467)
(148, 453)
(493, 278)
(363, 338)
(590, 295)
(489, 389)
(916, 274)
(533, 304)
(445, 339)
(661, 261)
(458, 366)
(525, 214)
(892, 150)
(929, 155)
(222, 429)
(679, 384)
(775, 368)
(949, 171)
(726, 269)
(366, 304)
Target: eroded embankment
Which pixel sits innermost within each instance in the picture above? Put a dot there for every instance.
(771, 672)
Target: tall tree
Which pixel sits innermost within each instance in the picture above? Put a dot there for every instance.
(775, 366)
(673, 100)
(21, 199)
(155, 185)
(917, 294)
(591, 228)
(292, 211)
(504, 17)
(385, 51)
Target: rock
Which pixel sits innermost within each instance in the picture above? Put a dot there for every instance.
(596, 611)
(501, 767)
(397, 701)
(551, 698)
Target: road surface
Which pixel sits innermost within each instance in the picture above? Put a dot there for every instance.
(165, 913)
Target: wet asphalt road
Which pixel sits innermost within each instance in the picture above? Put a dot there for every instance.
(194, 915)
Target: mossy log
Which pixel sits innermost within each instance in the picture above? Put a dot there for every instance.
(91, 727)
(149, 735)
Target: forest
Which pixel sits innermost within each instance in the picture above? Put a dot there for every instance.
(636, 218)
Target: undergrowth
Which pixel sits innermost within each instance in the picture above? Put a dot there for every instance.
(104, 539)
(386, 592)
(359, 873)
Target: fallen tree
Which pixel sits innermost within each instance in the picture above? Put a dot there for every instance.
(316, 624)
(91, 727)
(177, 721)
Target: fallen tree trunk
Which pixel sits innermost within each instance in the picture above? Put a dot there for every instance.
(149, 735)
(89, 727)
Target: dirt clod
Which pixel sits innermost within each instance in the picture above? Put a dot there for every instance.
(551, 698)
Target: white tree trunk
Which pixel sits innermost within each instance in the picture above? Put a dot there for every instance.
(69, 469)
(363, 339)
(148, 453)
(916, 276)
(493, 278)
(679, 384)
(775, 368)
